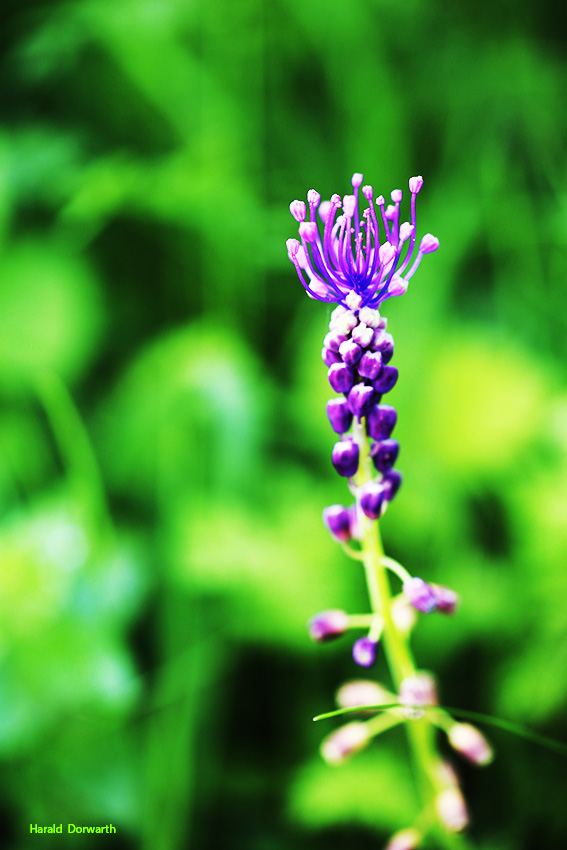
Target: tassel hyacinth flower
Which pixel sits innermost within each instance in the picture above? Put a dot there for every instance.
(356, 260)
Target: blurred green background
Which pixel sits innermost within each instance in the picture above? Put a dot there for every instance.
(164, 450)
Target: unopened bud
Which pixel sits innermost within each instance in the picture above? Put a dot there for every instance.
(344, 742)
(470, 743)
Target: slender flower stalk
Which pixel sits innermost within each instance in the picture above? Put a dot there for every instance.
(357, 262)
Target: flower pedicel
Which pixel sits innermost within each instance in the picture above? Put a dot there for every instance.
(357, 260)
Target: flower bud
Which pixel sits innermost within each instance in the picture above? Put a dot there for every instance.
(372, 499)
(345, 323)
(369, 317)
(361, 692)
(420, 595)
(364, 651)
(418, 690)
(338, 520)
(396, 195)
(370, 365)
(350, 352)
(339, 415)
(313, 198)
(359, 398)
(328, 625)
(387, 379)
(380, 421)
(415, 184)
(428, 244)
(329, 357)
(405, 839)
(447, 599)
(298, 210)
(308, 231)
(403, 615)
(384, 454)
(391, 482)
(345, 458)
(452, 809)
(384, 343)
(344, 742)
(341, 377)
(470, 743)
(362, 334)
(333, 340)
(353, 300)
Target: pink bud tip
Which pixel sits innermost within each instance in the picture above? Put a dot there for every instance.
(293, 247)
(386, 253)
(313, 197)
(380, 201)
(428, 244)
(368, 192)
(356, 180)
(406, 839)
(390, 212)
(298, 211)
(406, 230)
(415, 184)
(452, 809)
(308, 231)
(398, 286)
(349, 205)
(397, 196)
(336, 200)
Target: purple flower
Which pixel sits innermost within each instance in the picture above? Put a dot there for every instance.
(330, 357)
(391, 482)
(384, 343)
(420, 595)
(359, 399)
(380, 421)
(354, 253)
(338, 520)
(339, 415)
(345, 457)
(364, 651)
(341, 377)
(387, 379)
(327, 625)
(370, 364)
(384, 454)
(447, 599)
(350, 352)
(372, 499)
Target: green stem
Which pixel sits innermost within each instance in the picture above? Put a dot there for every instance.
(427, 763)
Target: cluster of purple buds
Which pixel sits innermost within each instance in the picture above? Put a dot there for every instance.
(333, 623)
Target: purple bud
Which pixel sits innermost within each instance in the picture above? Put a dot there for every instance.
(293, 247)
(447, 599)
(356, 180)
(387, 379)
(339, 415)
(364, 651)
(341, 377)
(362, 692)
(396, 196)
(297, 209)
(334, 340)
(368, 192)
(345, 457)
(380, 421)
(420, 595)
(391, 482)
(308, 231)
(415, 184)
(327, 625)
(428, 244)
(350, 352)
(370, 365)
(359, 399)
(338, 520)
(372, 499)
(384, 343)
(330, 357)
(384, 454)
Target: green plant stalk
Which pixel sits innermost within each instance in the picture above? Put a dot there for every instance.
(427, 763)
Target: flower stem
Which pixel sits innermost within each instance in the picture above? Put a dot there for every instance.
(427, 763)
